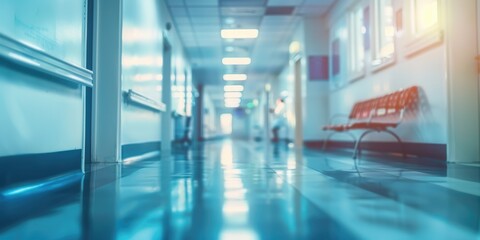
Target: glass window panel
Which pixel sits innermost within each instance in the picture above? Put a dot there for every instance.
(384, 29)
(357, 50)
(426, 14)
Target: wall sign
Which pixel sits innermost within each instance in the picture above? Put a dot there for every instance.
(318, 67)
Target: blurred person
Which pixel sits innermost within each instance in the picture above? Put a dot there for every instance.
(280, 119)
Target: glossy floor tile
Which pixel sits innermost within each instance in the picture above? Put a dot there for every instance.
(243, 190)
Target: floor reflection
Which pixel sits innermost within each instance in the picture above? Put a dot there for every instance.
(240, 190)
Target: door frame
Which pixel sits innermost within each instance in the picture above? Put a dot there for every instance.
(166, 122)
(298, 104)
(463, 108)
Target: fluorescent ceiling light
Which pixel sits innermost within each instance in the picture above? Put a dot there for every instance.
(236, 61)
(233, 88)
(233, 95)
(239, 33)
(235, 77)
(232, 105)
(232, 100)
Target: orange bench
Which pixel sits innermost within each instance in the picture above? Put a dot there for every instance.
(380, 114)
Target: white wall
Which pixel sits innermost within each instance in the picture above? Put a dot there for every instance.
(316, 98)
(312, 38)
(144, 31)
(37, 114)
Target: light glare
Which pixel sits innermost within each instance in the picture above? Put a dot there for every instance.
(236, 61)
(232, 101)
(233, 95)
(233, 88)
(239, 33)
(235, 77)
(232, 105)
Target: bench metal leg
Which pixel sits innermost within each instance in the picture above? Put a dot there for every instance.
(398, 140)
(357, 148)
(325, 142)
(357, 144)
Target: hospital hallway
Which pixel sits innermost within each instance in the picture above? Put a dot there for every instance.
(233, 189)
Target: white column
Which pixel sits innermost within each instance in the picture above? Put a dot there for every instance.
(107, 98)
(167, 98)
(462, 79)
(298, 104)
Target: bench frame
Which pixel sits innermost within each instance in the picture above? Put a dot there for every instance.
(376, 115)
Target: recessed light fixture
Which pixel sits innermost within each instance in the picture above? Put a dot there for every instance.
(233, 88)
(232, 100)
(239, 33)
(236, 61)
(232, 95)
(234, 77)
(233, 105)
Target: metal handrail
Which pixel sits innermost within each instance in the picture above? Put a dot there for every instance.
(27, 56)
(143, 101)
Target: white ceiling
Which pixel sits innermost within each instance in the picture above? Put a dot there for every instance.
(199, 23)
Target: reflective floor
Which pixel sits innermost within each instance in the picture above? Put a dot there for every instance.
(239, 190)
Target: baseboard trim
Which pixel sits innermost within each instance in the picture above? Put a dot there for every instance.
(149, 155)
(138, 149)
(37, 198)
(22, 169)
(426, 150)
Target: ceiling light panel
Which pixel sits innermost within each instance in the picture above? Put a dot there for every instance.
(233, 88)
(229, 95)
(239, 33)
(233, 101)
(236, 61)
(235, 77)
(232, 105)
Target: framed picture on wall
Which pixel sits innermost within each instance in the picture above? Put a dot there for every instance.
(335, 57)
(318, 68)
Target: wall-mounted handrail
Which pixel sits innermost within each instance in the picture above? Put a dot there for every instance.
(143, 101)
(23, 55)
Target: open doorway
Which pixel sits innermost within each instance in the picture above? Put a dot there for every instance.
(226, 121)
